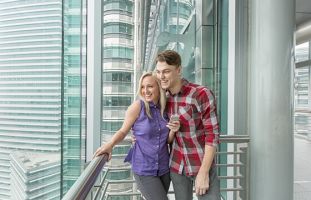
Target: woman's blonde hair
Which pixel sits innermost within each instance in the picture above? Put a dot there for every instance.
(162, 99)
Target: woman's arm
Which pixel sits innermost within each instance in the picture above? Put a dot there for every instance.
(131, 115)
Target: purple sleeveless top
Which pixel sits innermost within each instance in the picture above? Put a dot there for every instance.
(149, 155)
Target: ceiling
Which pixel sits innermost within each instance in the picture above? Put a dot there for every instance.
(303, 11)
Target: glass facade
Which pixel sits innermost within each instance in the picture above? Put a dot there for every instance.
(30, 81)
(173, 28)
(117, 80)
(302, 90)
(42, 95)
(74, 91)
(117, 62)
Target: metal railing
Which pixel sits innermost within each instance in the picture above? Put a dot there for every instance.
(233, 167)
(302, 127)
(232, 161)
(81, 188)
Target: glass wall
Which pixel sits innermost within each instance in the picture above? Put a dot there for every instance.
(117, 80)
(302, 89)
(30, 86)
(74, 92)
(302, 121)
(42, 95)
(173, 28)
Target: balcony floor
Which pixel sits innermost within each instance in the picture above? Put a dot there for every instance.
(302, 169)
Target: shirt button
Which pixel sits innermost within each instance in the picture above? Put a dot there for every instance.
(159, 129)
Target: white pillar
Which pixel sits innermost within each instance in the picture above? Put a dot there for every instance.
(94, 90)
(272, 26)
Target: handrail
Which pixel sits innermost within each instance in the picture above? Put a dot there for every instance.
(303, 32)
(86, 180)
(233, 138)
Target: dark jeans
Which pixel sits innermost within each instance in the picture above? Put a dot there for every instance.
(153, 187)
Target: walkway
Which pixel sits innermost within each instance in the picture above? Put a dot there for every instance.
(302, 169)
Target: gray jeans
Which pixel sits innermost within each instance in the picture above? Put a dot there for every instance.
(183, 186)
(153, 187)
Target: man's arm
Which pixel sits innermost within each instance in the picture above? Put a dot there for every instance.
(202, 178)
(209, 118)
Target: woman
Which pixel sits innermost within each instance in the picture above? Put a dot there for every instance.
(149, 156)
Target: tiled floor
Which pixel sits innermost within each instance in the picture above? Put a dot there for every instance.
(302, 169)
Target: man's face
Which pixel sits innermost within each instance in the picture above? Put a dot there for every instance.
(167, 74)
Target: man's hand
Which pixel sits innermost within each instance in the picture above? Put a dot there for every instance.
(173, 125)
(105, 148)
(202, 183)
(133, 139)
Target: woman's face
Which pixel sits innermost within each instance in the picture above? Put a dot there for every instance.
(150, 89)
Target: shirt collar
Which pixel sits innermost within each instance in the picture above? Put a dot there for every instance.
(153, 105)
(182, 90)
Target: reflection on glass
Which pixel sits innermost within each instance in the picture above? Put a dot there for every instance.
(302, 52)
(39, 106)
(74, 69)
(174, 28)
(30, 97)
(117, 79)
(302, 82)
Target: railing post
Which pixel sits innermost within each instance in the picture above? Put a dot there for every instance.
(243, 172)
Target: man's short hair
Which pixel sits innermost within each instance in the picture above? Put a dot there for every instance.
(170, 57)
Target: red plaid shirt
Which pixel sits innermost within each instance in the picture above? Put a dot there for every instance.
(196, 107)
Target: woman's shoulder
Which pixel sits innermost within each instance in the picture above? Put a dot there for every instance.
(136, 105)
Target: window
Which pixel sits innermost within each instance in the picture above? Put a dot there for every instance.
(117, 101)
(117, 76)
(118, 52)
(118, 28)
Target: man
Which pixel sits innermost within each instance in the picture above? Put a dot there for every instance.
(194, 147)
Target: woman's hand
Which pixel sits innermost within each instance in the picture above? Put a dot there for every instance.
(105, 148)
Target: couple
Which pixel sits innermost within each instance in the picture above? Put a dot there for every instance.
(194, 134)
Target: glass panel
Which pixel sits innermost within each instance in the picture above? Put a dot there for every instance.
(302, 120)
(30, 99)
(37, 81)
(302, 87)
(117, 81)
(74, 70)
(302, 52)
(176, 30)
(302, 90)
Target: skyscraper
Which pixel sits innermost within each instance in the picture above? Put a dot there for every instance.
(34, 176)
(117, 76)
(30, 80)
(42, 51)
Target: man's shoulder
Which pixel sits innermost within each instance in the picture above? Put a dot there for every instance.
(197, 89)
